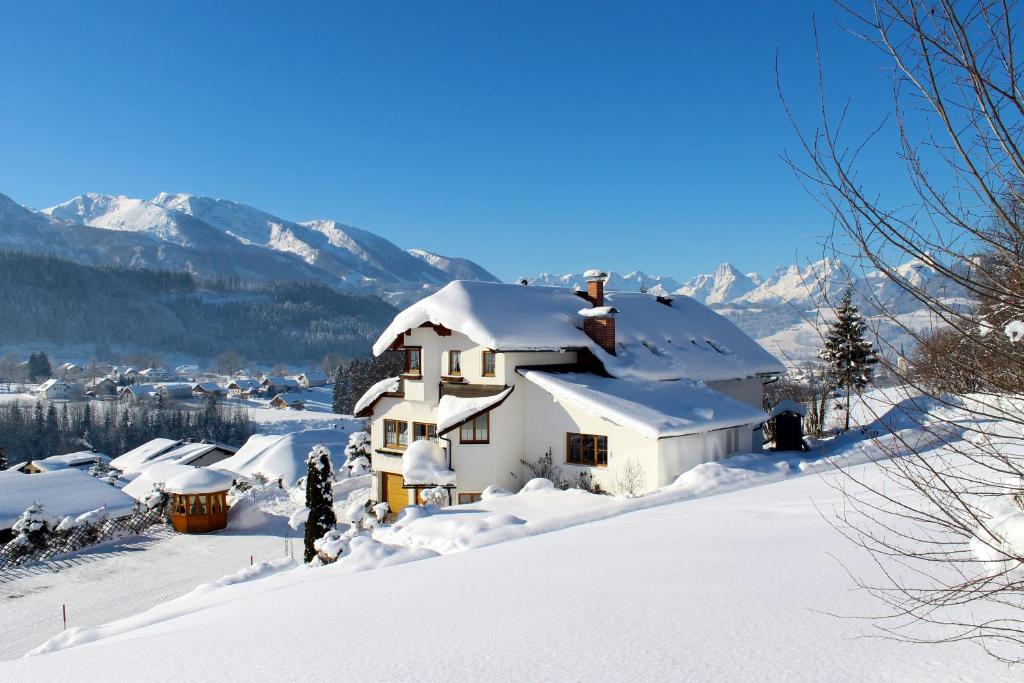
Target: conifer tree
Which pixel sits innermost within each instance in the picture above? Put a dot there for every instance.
(319, 499)
(338, 394)
(3, 459)
(847, 354)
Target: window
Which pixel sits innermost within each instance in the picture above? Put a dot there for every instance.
(455, 363)
(477, 430)
(396, 434)
(424, 430)
(586, 449)
(490, 364)
(465, 498)
(179, 505)
(413, 360)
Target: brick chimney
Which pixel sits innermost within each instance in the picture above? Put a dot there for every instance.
(595, 286)
(599, 321)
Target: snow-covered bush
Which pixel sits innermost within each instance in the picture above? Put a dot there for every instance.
(332, 545)
(358, 445)
(436, 496)
(544, 468)
(358, 466)
(34, 528)
(355, 513)
(380, 512)
(319, 499)
(99, 468)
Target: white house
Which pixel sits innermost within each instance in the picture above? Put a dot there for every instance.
(314, 378)
(243, 387)
(58, 389)
(278, 385)
(628, 385)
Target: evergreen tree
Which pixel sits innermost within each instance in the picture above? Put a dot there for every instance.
(38, 367)
(847, 354)
(338, 395)
(3, 459)
(319, 499)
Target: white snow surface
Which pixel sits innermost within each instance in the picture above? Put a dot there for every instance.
(654, 409)
(199, 480)
(160, 473)
(282, 456)
(686, 340)
(453, 410)
(385, 386)
(67, 492)
(744, 585)
(425, 463)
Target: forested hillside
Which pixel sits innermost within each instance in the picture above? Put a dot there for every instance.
(56, 302)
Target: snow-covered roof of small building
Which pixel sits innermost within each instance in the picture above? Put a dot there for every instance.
(141, 390)
(283, 456)
(425, 463)
(175, 389)
(388, 385)
(62, 493)
(187, 453)
(281, 381)
(208, 387)
(199, 480)
(314, 375)
(288, 399)
(789, 406)
(654, 409)
(50, 383)
(454, 410)
(139, 456)
(62, 462)
(654, 340)
(161, 472)
(244, 384)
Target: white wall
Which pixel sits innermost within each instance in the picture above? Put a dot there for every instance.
(749, 390)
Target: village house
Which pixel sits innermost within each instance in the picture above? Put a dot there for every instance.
(208, 389)
(102, 387)
(81, 460)
(272, 385)
(240, 388)
(314, 378)
(59, 389)
(617, 387)
(282, 401)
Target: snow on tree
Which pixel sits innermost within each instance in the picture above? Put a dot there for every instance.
(34, 527)
(358, 453)
(319, 499)
(3, 459)
(358, 466)
(436, 496)
(99, 468)
(381, 511)
(848, 356)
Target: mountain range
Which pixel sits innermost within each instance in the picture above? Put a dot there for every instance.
(785, 311)
(217, 238)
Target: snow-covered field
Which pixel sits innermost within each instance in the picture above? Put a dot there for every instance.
(733, 573)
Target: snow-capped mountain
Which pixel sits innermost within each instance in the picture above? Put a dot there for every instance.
(785, 310)
(323, 250)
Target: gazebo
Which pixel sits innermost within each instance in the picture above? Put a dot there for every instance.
(199, 500)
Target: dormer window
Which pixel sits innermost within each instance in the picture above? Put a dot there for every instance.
(455, 363)
(414, 361)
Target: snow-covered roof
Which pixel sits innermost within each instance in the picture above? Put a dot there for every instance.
(199, 480)
(288, 400)
(175, 389)
(653, 409)
(283, 456)
(425, 463)
(188, 453)
(684, 340)
(62, 493)
(137, 458)
(314, 375)
(244, 384)
(454, 410)
(209, 387)
(789, 406)
(161, 472)
(141, 390)
(61, 462)
(385, 386)
(598, 312)
(50, 383)
(281, 381)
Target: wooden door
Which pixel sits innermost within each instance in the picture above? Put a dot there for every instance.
(396, 496)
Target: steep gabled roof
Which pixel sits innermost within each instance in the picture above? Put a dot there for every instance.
(654, 340)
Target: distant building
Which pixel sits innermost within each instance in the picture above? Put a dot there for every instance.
(82, 460)
(138, 392)
(279, 385)
(315, 378)
(59, 389)
(282, 401)
(243, 387)
(174, 391)
(103, 387)
(207, 389)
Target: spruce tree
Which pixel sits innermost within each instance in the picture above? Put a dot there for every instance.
(847, 354)
(3, 458)
(338, 394)
(319, 499)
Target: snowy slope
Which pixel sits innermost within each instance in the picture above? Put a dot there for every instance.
(737, 586)
(457, 268)
(725, 284)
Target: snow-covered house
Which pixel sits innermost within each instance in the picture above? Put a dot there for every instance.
(208, 389)
(157, 375)
(617, 386)
(278, 385)
(243, 387)
(174, 391)
(81, 460)
(314, 378)
(283, 401)
(58, 389)
(66, 492)
(138, 392)
(101, 387)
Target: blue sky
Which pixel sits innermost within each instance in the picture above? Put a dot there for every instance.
(528, 136)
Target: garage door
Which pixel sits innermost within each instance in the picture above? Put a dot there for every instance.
(394, 494)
